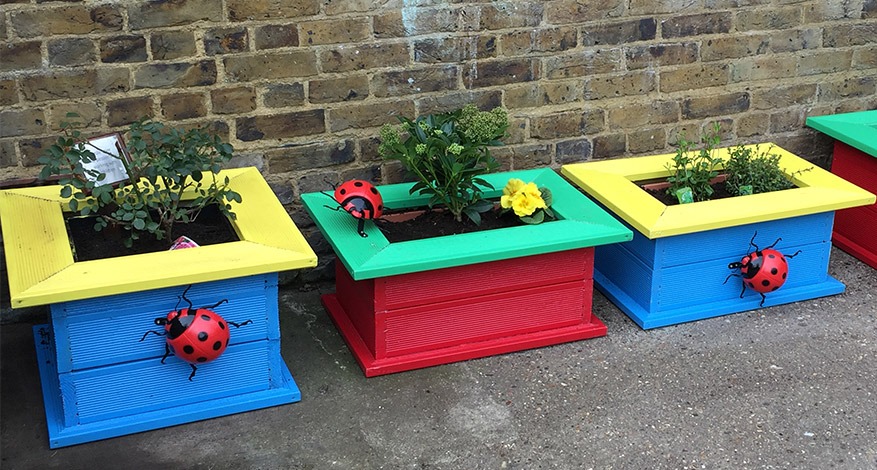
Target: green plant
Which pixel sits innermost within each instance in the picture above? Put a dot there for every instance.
(447, 153)
(165, 164)
(751, 171)
(695, 169)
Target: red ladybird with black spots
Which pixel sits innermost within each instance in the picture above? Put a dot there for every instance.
(360, 199)
(195, 335)
(763, 270)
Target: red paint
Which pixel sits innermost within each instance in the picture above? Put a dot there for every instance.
(436, 317)
(854, 228)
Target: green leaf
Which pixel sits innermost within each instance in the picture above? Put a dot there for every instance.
(139, 224)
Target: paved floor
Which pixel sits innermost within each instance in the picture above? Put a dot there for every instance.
(793, 386)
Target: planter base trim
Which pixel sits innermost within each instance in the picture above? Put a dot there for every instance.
(62, 436)
(374, 367)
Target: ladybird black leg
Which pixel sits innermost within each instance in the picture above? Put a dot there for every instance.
(194, 369)
(774, 243)
(360, 227)
(238, 325)
(167, 352)
(217, 304)
(763, 298)
(743, 291)
(156, 333)
(729, 277)
(336, 209)
(793, 255)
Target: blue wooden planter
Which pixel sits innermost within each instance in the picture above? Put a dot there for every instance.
(674, 270)
(99, 380)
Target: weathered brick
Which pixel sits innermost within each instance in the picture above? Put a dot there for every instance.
(8, 156)
(237, 100)
(4, 33)
(270, 65)
(123, 49)
(865, 58)
(89, 114)
(774, 97)
(869, 9)
(716, 105)
(19, 122)
(226, 40)
(575, 11)
(179, 106)
(144, 15)
(842, 89)
(717, 4)
(32, 149)
(323, 154)
(531, 95)
(786, 121)
(337, 7)
(280, 126)
(613, 86)
(584, 63)
(619, 33)
(282, 95)
(536, 41)
(634, 115)
(657, 55)
(360, 116)
(768, 18)
(609, 145)
(249, 10)
(505, 15)
(751, 124)
(824, 61)
(522, 157)
(693, 25)
(500, 72)
(348, 88)
(557, 125)
(127, 110)
(366, 56)
(844, 35)
(454, 49)
(646, 140)
(695, 76)
(20, 56)
(8, 93)
(457, 99)
(71, 51)
(335, 31)
(172, 45)
(412, 81)
(408, 22)
(175, 75)
(795, 39)
(732, 47)
(75, 84)
(65, 20)
(762, 68)
(572, 151)
(649, 7)
(272, 36)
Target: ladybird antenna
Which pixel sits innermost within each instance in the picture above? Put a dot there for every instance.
(191, 307)
(752, 241)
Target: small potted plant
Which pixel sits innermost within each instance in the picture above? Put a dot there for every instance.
(94, 348)
(477, 290)
(677, 266)
(855, 159)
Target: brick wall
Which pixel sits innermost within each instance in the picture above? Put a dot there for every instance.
(301, 87)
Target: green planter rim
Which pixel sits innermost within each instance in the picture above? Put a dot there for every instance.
(857, 130)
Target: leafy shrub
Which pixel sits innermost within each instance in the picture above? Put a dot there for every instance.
(694, 169)
(165, 163)
(447, 153)
(751, 171)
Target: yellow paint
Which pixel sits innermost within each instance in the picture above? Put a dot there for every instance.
(42, 271)
(612, 182)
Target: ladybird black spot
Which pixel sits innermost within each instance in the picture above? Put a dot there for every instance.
(358, 184)
(750, 283)
(783, 260)
(217, 345)
(188, 349)
(221, 325)
(202, 336)
(775, 288)
(765, 283)
(373, 190)
(205, 317)
(380, 207)
(774, 270)
(202, 359)
(784, 275)
(771, 256)
(342, 191)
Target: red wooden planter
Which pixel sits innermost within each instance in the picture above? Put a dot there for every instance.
(427, 318)
(855, 229)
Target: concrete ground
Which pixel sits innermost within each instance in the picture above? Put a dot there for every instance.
(790, 387)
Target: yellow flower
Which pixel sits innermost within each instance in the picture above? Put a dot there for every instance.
(509, 192)
(526, 203)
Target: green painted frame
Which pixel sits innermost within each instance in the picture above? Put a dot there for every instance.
(857, 129)
(580, 224)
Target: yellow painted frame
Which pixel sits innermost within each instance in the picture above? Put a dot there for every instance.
(612, 182)
(42, 271)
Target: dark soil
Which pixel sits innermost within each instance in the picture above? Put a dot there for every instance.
(720, 191)
(210, 228)
(440, 223)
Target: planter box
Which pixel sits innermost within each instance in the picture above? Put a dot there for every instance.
(674, 269)
(408, 305)
(90, 353)
(855, 159)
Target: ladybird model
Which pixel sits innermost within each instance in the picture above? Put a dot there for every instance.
(763, 270)
(360, 199)
(196, 336)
